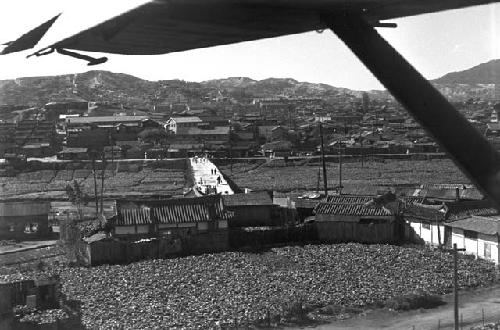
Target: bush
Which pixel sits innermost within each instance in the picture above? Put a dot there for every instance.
(414, 300)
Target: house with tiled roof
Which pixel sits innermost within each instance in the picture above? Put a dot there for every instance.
(180, 124)
(478, 235)
(368, 219)
(201, 222)
(428, 221)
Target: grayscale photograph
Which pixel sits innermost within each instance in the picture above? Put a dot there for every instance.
(250, 164)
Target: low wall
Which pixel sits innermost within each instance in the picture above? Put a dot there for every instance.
(343, 231)
(216, 241)
(116, 252)
(240, 238)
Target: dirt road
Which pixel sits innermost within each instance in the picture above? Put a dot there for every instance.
(471, 304)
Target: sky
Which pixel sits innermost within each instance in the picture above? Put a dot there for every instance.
(434, 43)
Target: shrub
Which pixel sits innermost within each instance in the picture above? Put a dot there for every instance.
(418, 299)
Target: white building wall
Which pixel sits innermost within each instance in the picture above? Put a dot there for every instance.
(476, 246)
(430, 234)
(457, 237)
(492, 241)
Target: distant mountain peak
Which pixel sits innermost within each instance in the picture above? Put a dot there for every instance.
(484, 73)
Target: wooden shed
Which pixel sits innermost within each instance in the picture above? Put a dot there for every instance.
(358, 219)
(24, 219)
(251, 210)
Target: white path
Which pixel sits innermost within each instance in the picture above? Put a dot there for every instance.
(207, 176)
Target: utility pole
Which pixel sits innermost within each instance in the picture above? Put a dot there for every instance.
(325, 184)
(93, 155)
(455, 282)
(340, 168)
(362, 153)
(103, 172)
(317, 183)
(231, 146)
(455, 251)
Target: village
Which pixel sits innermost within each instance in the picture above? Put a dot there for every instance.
(223, 127)
(199, 211)
(227, 210)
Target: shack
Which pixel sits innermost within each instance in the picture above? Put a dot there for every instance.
(24, 220)
(251, 210)
(358, 219)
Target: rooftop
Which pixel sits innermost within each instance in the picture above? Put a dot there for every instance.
(191, 119)
(356, 209)
(480, 224)
(222, 130)
(179, 210)
(105, 119)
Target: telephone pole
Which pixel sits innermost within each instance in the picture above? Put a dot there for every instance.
(325, 184)
(455, 283)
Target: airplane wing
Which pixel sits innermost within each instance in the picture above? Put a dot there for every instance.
(164, 26)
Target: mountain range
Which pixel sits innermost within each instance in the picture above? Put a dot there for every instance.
(104, 86)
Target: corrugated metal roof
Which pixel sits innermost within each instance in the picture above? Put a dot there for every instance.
(483, 225)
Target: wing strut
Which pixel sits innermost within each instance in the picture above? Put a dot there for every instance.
(467, 147)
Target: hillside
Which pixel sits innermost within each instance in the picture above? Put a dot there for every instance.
(485, 73)
(272, 87)
(104, 86)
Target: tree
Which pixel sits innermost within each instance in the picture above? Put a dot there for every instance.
(71, 230)
(155, 135)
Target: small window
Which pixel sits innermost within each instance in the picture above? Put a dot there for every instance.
(470, 234)
(31, 228)
(426, 225)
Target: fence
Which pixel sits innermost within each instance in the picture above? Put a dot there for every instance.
(112, 251)
(343, 231)
(261, 237)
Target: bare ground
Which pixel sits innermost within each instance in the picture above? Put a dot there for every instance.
(472, 304)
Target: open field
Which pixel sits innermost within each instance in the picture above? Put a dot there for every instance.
(165, 177)
(304, 175)
(225, 289)
(169, 177)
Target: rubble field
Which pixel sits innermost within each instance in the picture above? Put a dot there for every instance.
(291, 176)
(224, 289)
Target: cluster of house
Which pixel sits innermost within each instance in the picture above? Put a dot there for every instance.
(274, 126)
(438, 215)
